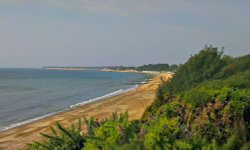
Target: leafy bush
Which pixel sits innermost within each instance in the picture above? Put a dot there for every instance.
(62, 139)
(205, 106)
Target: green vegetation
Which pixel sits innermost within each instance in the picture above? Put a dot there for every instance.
(149, 67)
(205, 106)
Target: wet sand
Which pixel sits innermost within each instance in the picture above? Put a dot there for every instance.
(135, 102)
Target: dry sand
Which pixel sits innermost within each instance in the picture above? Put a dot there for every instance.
(135, 102)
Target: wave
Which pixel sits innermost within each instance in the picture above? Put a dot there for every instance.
(118, 92)
(28, 121)
(137, 82)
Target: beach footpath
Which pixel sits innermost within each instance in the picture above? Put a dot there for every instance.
(135, 102)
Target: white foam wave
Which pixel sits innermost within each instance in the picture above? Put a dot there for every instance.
(28, 121)
(103, 97)
(72, 106)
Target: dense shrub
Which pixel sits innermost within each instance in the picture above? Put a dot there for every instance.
(205, 106)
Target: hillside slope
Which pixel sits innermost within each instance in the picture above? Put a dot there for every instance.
(206, 105)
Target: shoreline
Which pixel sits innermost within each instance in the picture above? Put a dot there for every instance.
(134, 101)
(109, 95)
(67, 108)
(136, 71)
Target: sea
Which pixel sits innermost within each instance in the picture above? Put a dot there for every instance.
(28, 95)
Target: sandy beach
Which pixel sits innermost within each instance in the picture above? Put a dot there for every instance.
(135, 102)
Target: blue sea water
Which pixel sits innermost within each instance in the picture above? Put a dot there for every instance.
(30, 94)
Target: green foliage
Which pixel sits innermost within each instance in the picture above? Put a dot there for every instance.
(161, 133)
(198, 96)
(182, 145)
(205, 106)
(198, 68)
(62, 139)
(232, 143)
(211, 146)
(149, 67)
(240, 64)
(156, 67)
(245, 146)
(106, 136)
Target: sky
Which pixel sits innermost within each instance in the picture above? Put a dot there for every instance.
(37, 33)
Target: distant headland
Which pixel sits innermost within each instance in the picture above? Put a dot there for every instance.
(150, 68)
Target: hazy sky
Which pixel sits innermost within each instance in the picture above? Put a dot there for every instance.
(35, 33)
